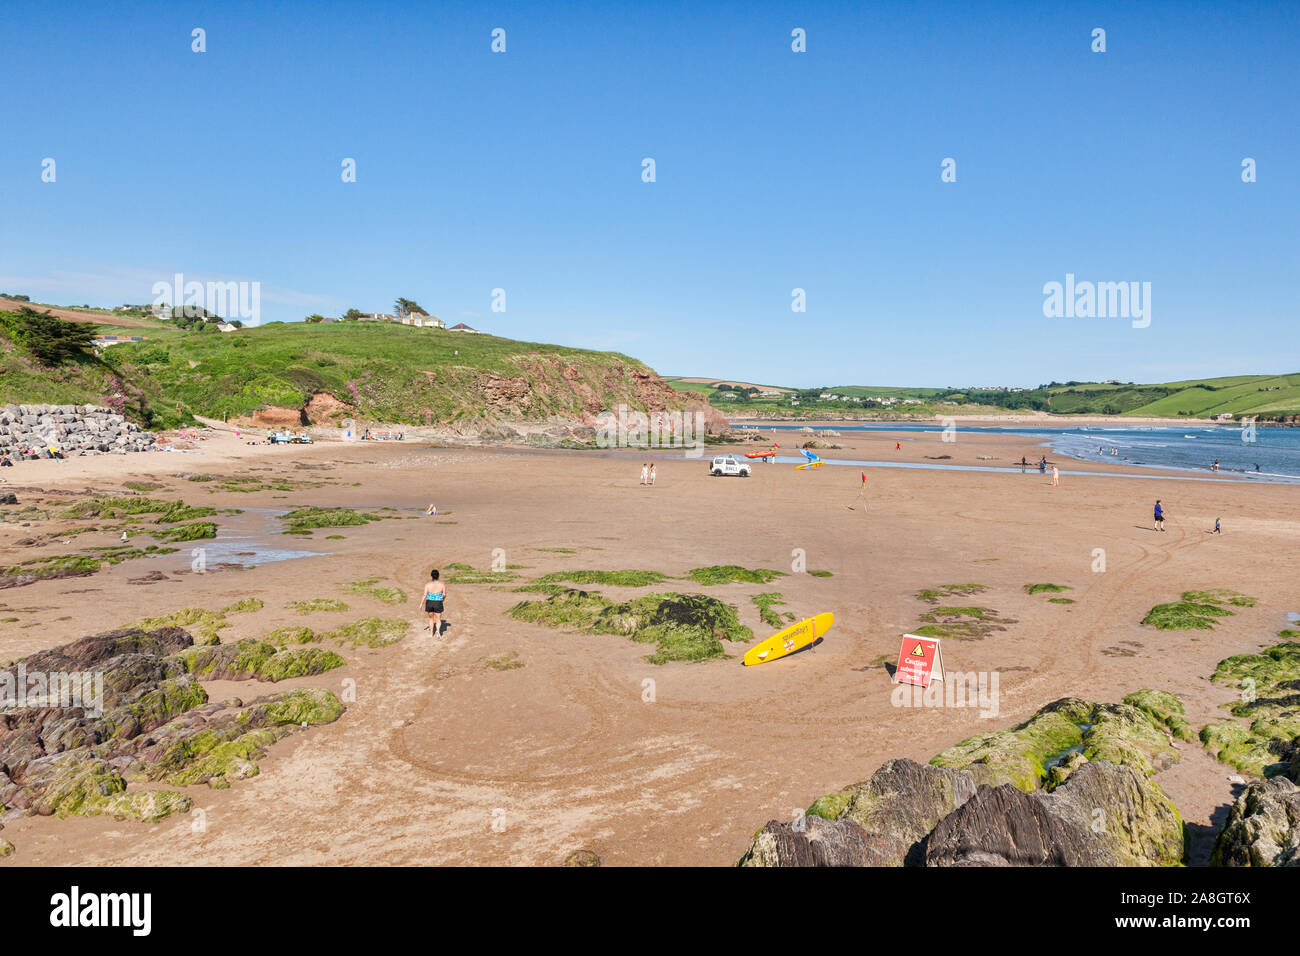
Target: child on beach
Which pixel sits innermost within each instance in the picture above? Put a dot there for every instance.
(1056, 477)
(645, 473)
(1160, 516)
(652, 474)
(435, 592)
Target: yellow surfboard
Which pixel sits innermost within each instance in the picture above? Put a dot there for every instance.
(809, 464)
(787, 641)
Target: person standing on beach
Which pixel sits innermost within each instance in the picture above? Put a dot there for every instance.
(645, 473)
(652, 474)
(1160, 516)
(435, 592)
(1056, 477)
(1217, 528)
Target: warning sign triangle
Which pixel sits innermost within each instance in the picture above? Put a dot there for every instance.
(918, 651)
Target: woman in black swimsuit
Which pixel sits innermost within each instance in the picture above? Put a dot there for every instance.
(435, 592)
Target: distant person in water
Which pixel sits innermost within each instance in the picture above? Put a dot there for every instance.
(1215, 466)
(435, 592)
(1042, 466)
(1160, 517)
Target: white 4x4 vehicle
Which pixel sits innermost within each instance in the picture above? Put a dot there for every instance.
(726, 465)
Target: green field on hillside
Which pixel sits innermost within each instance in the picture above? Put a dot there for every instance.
(382, 372)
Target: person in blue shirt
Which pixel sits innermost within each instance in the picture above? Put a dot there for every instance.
(1160, 517)
(435, 592)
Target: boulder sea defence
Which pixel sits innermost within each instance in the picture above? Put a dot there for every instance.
(73, 430)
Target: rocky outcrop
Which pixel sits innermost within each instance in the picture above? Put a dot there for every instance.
(80, 722)
(903, 801)
(815, 841)
(73, 430)
(1263, 827)
(1102, 815)
(1070, 786)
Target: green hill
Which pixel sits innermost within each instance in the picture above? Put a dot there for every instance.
(371, 371)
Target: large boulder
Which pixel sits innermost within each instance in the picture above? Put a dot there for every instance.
(905, 799)
(1263, 827)
(1102, 815)
(815, 841)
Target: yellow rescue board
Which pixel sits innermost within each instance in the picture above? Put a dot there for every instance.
(793, 638)
(810, 464)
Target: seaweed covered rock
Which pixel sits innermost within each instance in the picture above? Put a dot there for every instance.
(904, 800)
(684, 627)
(1025, 755)
(251, 659)
(1269, 702)
(1021, 755)
(816, 841)
(66, 753)
(1263, 827)
(1102, 815)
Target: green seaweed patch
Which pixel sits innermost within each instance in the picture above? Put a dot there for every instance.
(728, 573)
(316, 605)
(683, 627)
(1269, 685)
(251, 659)
(372, 588)
(121, 506)
(1060, 600)
(293, 634)
(626, 579)
(198, 620)
(1021, 755)
(194, 531)
(831, 806)
(820, 573)
(555, 550)
(766, 604)
(371, 632)
(482, 577)
(458, 566)
(961, 623)
(244, 606)
(306, 520)
(935, 595)
(1046, 588)
(1196, 611)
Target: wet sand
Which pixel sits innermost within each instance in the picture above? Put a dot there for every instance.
(442, 759)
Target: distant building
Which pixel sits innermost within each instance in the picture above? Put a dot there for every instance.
(462, 327)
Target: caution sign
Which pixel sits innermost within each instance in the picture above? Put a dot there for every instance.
(920, 661)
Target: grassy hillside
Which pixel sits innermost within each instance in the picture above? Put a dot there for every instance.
(379, 372)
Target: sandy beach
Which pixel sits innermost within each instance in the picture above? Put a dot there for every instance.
(443, 758)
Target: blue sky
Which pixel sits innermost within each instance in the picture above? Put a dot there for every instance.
(775, 170)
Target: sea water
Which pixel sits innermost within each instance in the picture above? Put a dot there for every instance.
(1275, 450)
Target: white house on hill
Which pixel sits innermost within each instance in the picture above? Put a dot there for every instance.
(462, 327)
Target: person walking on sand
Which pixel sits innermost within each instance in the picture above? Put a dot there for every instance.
(435, 592)
(1160, 516)
(898, 446)
(652, 474)
(645, 473)
(1056, 477)
(1217, 528)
